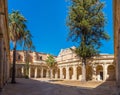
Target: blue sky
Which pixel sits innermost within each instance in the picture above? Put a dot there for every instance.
(47, 23)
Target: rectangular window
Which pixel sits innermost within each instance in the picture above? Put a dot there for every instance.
(19, 57)
(40, 57)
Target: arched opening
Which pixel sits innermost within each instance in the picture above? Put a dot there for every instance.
(38, 73)
(79, 73)
(49, 73)
(24, 71)
(19, 72)
(54, 71)
(11, 72)
(99, 72)
(64, 73)
(32, 72)
(111, 72)
(44, 73)
(70, 72)
(88, 73)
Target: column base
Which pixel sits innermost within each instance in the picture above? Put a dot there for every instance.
(47, 76)
(74, 77)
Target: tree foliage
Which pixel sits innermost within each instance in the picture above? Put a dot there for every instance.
(17, 26)
(86, 23)
(50, 61)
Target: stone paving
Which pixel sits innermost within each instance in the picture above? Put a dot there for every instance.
(58, 87)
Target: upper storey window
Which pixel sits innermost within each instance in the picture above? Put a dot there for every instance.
(19, 57)
(40, 57)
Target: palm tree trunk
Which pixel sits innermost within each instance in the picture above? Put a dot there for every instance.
(83, 70)
(14, 62)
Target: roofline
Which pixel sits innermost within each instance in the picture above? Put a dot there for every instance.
(34, 51)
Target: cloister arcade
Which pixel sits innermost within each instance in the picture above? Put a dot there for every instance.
(98, 73)
(69, 67)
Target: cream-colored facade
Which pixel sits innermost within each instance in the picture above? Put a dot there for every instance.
(4, 44)
(69, 66)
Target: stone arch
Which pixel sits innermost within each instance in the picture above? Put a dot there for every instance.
(79, 73)
(111, 72)
(99, 72)
(32, 72)
(19, 72)
(64, 73)
(70, 72)
(38, 72)
(54, 71)
(89, 72)
(11, 72)
(44, 73)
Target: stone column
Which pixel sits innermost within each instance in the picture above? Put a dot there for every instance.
(104, 72)
(47, 73)
(74, 77)
(94, 73)
(1, 63)
(83, 72)
(51, 73)
(29, 72)
(22, 70)
(61, 73)
(35, 72)
(56, 74)
(67, 73)
(41, 72)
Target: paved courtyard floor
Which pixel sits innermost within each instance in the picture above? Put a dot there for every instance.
(58, 87)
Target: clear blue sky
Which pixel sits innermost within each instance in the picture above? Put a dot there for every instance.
(47, 23)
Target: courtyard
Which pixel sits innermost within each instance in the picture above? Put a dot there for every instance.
(58, 87)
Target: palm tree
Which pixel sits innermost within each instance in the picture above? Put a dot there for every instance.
(51, 63)
(17, 28)
(26, 41)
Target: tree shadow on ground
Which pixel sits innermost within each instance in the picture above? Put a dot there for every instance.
(37, 87)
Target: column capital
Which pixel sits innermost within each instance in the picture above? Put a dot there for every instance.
(74, 66)
(104, 63)
(67, 67)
